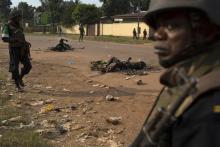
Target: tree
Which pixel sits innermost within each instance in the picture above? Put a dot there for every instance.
(4, 9)
(143, 4)
(86, 14)
(66, 18)
(55, 8)
(27, 12)
(115, 7)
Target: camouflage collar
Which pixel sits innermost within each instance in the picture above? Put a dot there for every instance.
(196, 66)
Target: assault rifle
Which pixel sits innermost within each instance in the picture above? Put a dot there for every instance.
(153, 131)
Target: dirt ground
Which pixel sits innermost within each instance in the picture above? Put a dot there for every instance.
(65, 78)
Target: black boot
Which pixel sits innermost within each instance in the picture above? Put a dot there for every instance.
(19, 89)
(21, 81)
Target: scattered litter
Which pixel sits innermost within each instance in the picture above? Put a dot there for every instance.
(66, 109)
(48, 108)
(8, 84)
(11, 94)
(37, 103)
(15, 119)
(96, 85)
(31, 125)
(67, 126)
(127, 78)
(114, 120)
(0, 136)
(66, 90)
(91, 92)
(111, 98)
(62, 130)
(113, 143)
(49, 87)
(47, 124)
(139, 82)
(65, 116)
(40, 131)
(49, 101)
(37, 86)
(102, 86)
(89, 81)
(4, 121)
(116, 65)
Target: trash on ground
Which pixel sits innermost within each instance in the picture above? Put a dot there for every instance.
(15, 119)
(139, 82)
(111, 98)
(37, 103)
(116, 65)
(114, 120)
(47, 108)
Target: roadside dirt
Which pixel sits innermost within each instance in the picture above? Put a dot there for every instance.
(65, 82)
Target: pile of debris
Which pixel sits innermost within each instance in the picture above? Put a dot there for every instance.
(62, 46)
(116, 65)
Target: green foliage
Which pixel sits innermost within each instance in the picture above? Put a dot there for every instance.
(54, 7)
(24, 138)
(27, 12)
(86, 14)
(4, 9)
(67, 19)
(115, 7)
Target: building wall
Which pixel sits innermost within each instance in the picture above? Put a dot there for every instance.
(114, 29)
(122, 29)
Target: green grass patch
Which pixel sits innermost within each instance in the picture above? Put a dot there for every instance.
(10, 112)
(115, 39)
(22, 138)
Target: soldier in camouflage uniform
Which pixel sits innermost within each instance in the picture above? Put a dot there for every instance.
(187, 34)
(18, 48)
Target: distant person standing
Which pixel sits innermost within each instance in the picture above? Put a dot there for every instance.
(82, 32)
(134, 34)
(59, 30)
(145, 34)
(139, 32)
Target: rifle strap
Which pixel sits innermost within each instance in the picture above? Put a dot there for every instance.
(206, 83)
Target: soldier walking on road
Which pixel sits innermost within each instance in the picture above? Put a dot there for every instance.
(187, 112)
(19, 48)
(82, 32)
(134, 34)
(145, 34)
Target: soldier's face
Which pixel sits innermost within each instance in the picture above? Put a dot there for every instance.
(173, 36)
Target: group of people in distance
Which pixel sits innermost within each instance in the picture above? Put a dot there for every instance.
(136, 34)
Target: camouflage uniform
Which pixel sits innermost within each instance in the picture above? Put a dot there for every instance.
(82, 32)
(198, 118)
(18, 49)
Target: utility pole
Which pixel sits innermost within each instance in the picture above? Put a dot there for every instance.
(138, 13)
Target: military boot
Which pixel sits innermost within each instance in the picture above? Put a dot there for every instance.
(21, 83)
(17, 84)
